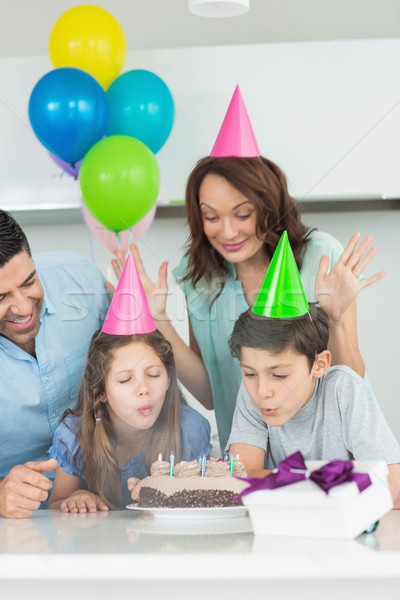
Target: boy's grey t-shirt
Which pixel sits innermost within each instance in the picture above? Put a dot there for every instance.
(341, 421)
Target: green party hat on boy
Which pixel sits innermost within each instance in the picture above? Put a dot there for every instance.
(281, 295)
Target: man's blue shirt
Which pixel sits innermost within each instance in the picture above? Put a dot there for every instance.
(34, 392)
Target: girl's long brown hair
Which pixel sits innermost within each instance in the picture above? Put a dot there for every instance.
(265, 186)
(101, 469)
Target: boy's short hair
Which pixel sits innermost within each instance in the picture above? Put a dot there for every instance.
(308, 335)
(12, 239)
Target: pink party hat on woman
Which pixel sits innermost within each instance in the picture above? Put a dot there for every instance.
(129, 312)
(236, 137)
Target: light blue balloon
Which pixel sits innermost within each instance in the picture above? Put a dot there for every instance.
(68, 111)
(141, 106)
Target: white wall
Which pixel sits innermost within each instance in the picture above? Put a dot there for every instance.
(378, 314)
(327, 112)
(378, 306)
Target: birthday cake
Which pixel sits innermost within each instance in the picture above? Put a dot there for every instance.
(187, 488)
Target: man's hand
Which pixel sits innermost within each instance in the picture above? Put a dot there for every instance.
(24, 488)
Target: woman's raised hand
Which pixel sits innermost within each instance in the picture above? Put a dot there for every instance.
(156, 293)
(335, 291)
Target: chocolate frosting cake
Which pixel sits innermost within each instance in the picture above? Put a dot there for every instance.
(188, 489)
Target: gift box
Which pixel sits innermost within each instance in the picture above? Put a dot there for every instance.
(304, 509)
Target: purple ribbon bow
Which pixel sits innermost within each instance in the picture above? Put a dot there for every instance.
(294, 469)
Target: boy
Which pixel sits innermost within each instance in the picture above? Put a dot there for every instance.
(291, 399)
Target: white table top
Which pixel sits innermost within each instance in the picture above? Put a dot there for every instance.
(100, 547)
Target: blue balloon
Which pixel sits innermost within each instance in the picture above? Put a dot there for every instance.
(141, 106)
(68, 111)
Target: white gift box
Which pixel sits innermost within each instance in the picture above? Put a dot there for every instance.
(303, 509)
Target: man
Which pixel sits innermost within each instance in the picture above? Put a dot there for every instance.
(50, 306)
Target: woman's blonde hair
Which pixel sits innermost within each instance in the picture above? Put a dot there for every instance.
(95, 434)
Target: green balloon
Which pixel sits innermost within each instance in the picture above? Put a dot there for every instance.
(119, 179)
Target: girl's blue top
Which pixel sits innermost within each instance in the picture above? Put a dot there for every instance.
(195, 433)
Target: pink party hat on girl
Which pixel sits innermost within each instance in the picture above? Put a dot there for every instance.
(129, 312)
(236, 137)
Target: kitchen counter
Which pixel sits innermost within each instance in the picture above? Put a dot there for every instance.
(128, 552)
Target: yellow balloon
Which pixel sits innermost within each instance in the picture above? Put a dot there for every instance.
(89, 38)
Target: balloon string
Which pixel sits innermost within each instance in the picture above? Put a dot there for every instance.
(119, 240)
(70, 166)
(73, 167)
(130, 238)
(91, 249)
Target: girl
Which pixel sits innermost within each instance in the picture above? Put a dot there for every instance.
(129, 410)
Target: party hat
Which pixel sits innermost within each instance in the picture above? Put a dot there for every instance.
(129, 312)
(281, 295)
(236, 137)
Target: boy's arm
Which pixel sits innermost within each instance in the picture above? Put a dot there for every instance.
(252, 458)
(394, 483)
(374, 440)
(249, 435)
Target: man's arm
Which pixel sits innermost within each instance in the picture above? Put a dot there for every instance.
(24, 488)
(249, 435)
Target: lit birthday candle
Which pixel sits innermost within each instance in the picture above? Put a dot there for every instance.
(160, 457)
(231, 464)
(203, 467)
(172, 461)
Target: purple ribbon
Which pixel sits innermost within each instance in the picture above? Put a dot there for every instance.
(294, 469)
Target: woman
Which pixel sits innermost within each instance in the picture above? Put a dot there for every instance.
(237, 210)
(238, 206)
